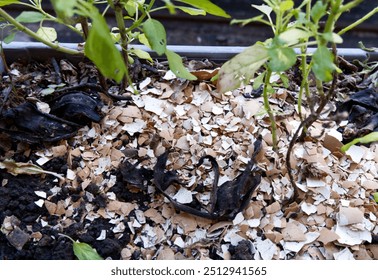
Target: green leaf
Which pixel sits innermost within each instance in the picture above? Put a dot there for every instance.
(293, 36)
(176, 66)
(192, 11)
(143, 39)
(64, 9)
(258, 81)
(371, 137)
(10, 38)
(100, 49)
(47, 33)
(323, 65)
(141, 54)
(332, 37)
(281, 58)
(375, 196)
(84, 251)
(286, 5)
(318, 11)
(265, 9)
(156, 36)
(285, 80)
(242, 67)
(8, 2)
(170, 6)
(30, 17)
(207, 6)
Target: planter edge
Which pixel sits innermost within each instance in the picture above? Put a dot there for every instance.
(35, 50)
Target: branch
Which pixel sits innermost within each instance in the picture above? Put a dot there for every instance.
(35, 36)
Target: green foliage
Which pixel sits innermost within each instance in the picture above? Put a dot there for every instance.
(30, 17)
(100, 49)
(207, 7)
(371, 137)
(375, 196)
(323, 66)
(242, 67)
(83, 17)
(84, 251)
(8, 2)
(156, 36)
(47, 33)
(176, 66)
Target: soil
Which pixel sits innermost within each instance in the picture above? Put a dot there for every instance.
(99, 201)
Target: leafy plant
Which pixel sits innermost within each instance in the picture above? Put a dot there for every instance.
(84, 17)
(83, 251)
(294, 28)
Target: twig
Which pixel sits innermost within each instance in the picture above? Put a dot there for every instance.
(35, 36)
(58, 74)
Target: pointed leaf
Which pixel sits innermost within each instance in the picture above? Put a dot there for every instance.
(156, 36)
(281, 58)
(371, 137)
(176, 66)
(8, 2)
(84, 251)
(30, 17)
(141, 54)
(142, 39)
(242, 67)
(318, 11)
(332, 37)
(323, 64)
(100, 49)
(293, 36)
(10, 38)
(192, 11)
(207, 6)
(265, 9)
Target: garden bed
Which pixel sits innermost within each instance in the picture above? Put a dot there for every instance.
(94, 201)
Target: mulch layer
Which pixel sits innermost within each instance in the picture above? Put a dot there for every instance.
(100, 157)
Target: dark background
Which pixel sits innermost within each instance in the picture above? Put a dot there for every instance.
(183, 29)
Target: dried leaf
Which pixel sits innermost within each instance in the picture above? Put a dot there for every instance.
(17, 168)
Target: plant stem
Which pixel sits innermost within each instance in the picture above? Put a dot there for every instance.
(357, 22)
(268, 109)
(35, 36)
(124, 40)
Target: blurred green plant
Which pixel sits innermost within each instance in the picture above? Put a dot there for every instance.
(134, 22)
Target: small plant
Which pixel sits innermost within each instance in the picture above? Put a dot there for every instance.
(83, 251)
(294, 30)
(134, 22)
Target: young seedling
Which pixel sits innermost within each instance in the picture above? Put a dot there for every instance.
(83, 251)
